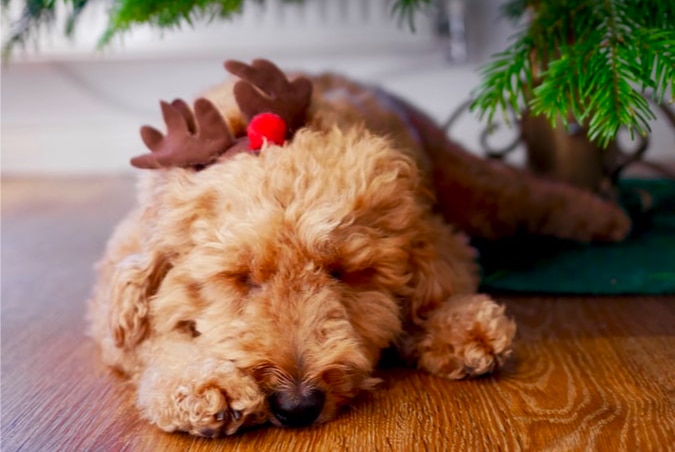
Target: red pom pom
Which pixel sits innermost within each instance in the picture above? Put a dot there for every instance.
(266, 126)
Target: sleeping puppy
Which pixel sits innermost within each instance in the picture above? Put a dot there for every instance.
(250, 286)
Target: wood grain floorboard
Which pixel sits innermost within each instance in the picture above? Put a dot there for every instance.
(589, 373)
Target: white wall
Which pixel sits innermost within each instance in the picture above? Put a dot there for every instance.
(69, 109)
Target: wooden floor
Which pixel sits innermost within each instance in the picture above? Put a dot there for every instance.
(588, 373)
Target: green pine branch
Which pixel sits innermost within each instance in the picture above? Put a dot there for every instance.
(123, 15)
(163, 14)
(406, 9)
(591, 61)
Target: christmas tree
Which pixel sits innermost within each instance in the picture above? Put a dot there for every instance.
(591, 61)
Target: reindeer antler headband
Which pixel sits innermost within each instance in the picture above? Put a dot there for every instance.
(199, 138)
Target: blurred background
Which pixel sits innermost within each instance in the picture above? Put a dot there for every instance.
(69, 108)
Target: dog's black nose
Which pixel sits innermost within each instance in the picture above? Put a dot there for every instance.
(296, 410)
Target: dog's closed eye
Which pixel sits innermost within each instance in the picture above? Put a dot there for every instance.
(351, 277)
(188, 327)
(243, 280)
(247, 280)
(337, 273)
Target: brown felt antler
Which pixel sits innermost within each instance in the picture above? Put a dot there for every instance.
(264, 88)
(191, 139)
(198, 139)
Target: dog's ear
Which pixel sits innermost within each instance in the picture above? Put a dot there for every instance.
(136, 279)
(441, 264)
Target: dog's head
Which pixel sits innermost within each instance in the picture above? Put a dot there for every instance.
(291, 264)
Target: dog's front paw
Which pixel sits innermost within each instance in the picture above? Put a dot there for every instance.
(219, 401)
(468, 337)
(210, 410)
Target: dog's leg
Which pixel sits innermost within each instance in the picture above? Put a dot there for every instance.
(489, 199)
(466, 336)
(449, 330)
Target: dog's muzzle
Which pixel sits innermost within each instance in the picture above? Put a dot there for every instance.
(296, 407)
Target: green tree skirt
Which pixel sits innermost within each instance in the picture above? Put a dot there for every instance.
(642, 264)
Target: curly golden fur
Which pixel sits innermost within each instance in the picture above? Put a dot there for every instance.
(264, 287)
